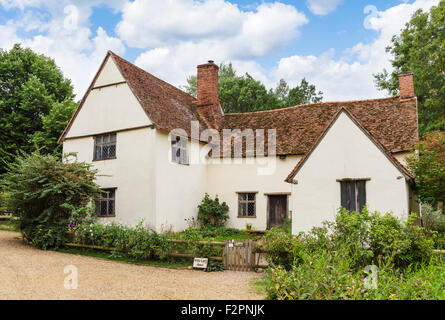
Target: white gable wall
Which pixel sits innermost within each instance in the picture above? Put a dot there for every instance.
(108, 109)
(345, 152)
(109, 74)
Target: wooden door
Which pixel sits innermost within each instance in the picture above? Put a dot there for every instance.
(277, 210)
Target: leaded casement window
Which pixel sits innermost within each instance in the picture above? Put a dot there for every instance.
(179, 149)
(105, 204)
(246, 205)
(105, 146)
(353, 194)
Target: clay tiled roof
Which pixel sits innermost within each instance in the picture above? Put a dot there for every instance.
(391, 121)
(167, 106)
(379, 145)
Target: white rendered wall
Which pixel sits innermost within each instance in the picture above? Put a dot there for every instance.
(345, 152)
(179, 187)
(107, 109)
(132, 173)
(109, 74)
(225, 180)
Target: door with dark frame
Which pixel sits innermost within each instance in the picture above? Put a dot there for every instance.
(277, 207)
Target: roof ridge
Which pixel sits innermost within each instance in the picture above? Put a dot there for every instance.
(132, 64)
(315, 104)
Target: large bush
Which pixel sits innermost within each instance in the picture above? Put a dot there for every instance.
(329, 262)
(42, 190)
(212, 212)
(328, 276)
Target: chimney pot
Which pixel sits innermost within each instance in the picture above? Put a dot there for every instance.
(406, 85)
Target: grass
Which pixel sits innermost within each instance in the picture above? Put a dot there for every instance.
(108, 256)
(7, 226)
(259, 286)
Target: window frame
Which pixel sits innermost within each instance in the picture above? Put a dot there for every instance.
(356, 186)
(179, 144)
(246, 202)
(98, 203)
(107, 144)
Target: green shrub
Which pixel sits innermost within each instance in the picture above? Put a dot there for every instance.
(209, 232)
(328, 276)
(279, 246)
(319, 275)
(42, 190)
(329, 262)
(215, 266)
(369, 237)
(136, 242)
(433, 220)
(212, 212)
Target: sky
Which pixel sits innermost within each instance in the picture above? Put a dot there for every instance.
(335, 44)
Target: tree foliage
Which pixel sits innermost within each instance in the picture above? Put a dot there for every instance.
(420, 48)
(428, 167)
(245, 94)
(31, 86)
(42, 190)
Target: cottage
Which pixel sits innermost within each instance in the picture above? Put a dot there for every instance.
(159, 150)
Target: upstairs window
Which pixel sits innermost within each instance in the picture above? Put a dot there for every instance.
(105, 204)
(179, 149)
(105, 146)
(353, 194)
(246, 205)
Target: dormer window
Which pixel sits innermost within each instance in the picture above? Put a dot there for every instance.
(105, 146)
(179, 149)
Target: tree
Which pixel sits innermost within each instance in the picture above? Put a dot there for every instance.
(245, 94)
(53, 125)
(303, 94)
(31, 85)
(428, 167)
(420, 48)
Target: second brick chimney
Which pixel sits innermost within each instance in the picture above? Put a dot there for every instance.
(406, 85)
(209, 108)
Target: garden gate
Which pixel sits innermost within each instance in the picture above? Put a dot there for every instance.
(238, 255)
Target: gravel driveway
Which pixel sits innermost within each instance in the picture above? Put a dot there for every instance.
(28, 273)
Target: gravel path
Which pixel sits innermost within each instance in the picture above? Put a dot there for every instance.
(28, 273)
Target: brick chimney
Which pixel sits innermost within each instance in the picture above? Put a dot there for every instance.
(209, 108)
(406, 85)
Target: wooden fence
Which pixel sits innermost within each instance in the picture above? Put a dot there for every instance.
(237, 255)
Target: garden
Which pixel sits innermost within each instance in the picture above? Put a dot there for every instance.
(365, 255)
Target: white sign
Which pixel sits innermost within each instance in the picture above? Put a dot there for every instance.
(200, 263)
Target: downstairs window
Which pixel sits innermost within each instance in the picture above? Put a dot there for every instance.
(105, 204)
(353, 194)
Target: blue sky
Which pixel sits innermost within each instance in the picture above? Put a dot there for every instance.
(335, 44)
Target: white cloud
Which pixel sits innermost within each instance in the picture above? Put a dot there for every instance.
(64, 35)
(350, 77)
(239, 34)
(257, 33)
(323, 7)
